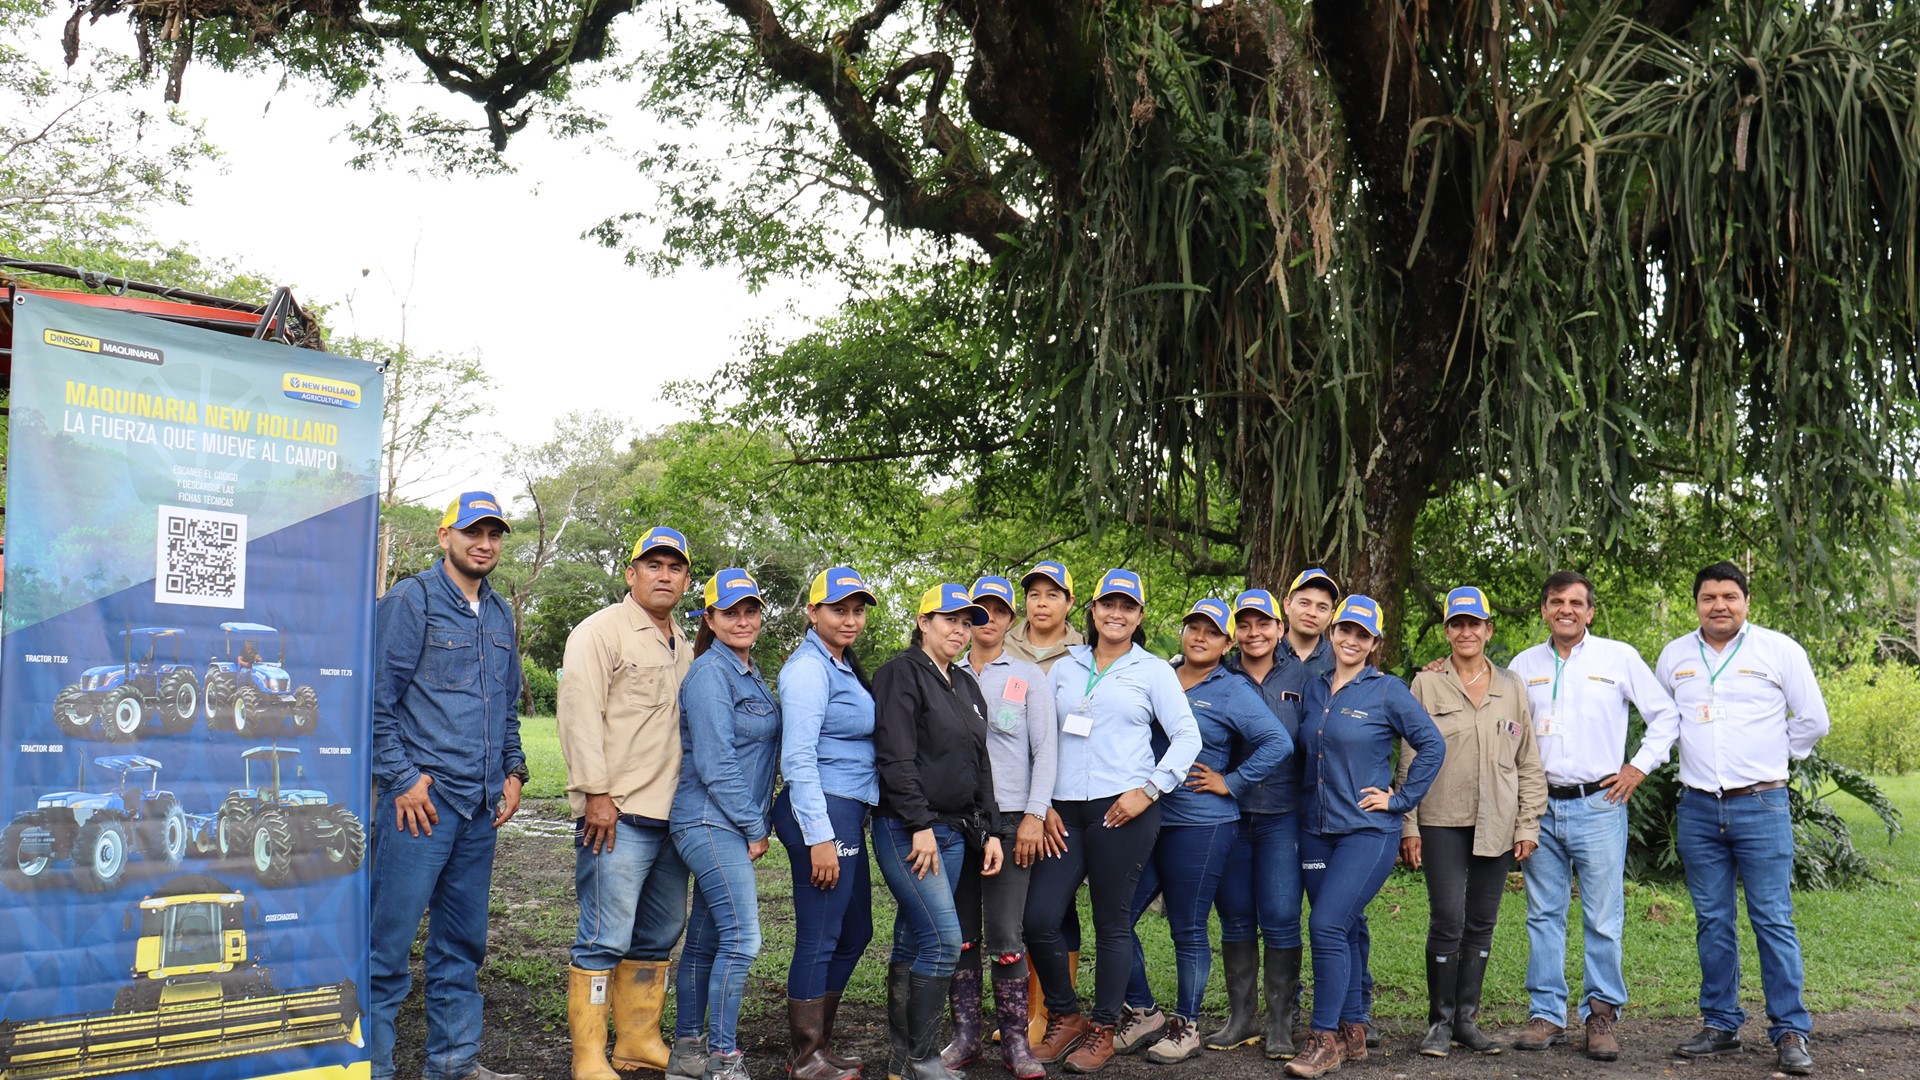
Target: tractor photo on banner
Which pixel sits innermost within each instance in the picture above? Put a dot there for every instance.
(185, 694)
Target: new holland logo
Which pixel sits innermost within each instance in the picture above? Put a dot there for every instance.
(315, 390)
(848, 581)
(119, 350)
(1119, 583)
(482, 504)
(1462, 601)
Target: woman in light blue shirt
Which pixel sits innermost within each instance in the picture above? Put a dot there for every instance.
(1107, 786)
(826, 754)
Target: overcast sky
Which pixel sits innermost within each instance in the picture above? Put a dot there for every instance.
(495, 264)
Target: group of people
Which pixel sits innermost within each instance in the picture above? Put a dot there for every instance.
(1005, 758)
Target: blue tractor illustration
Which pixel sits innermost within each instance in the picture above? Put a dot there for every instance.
(271, 825)
(98, 832)
(121, 701)
(254, 696)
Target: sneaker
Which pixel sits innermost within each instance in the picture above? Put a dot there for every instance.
(1137, 1029)
(1794, 1059)
(1177, 1043)
(1602, 1045)
(1540, 1034)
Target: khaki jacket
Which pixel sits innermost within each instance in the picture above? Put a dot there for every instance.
(1017, 645)
(619, 711)
(1491, 778)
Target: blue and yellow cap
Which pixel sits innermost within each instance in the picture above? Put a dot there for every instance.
(474, 506)
(951, 598)
(836, 583)
(729, 587)
(1118, 582)
(1259, 600)
(1214, 611)
(661, 537)
(1050, 570)
(1467, 600)
(1313, 573)
(997, 587)
(1362, 612)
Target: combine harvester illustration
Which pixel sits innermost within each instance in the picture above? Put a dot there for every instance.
(197, 995)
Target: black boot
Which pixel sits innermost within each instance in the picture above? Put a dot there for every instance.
(1283, 992)
(1466, 1030)
(1241, 959)
(898, 976)
(926, 1007)
(1442, 979)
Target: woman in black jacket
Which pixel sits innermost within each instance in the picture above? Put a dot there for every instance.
(936, 798)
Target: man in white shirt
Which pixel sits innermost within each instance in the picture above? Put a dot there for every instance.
(1578, 688)
(1748, 703)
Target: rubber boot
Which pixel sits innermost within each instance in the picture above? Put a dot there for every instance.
(926, 1006)
(1283, 992)
(639, 997)
(1037, 996)
(843, 1061)
(588, 1003)
(1241, 959)
(965, 994)
(899, 977)
(1010, 1005)
(1466, 1031)
(1443, 976)
(806, 1031)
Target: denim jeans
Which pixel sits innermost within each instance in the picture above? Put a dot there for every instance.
(1186, 867)
(831, 927)
(633, 899)
(723, 935)
(1749, 837)
(1587, 837)
(1259, 897)
(1342, 875)
(448, 876)
(927, 924)
(1110, 862)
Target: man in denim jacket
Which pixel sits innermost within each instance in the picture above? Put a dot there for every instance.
(447, 760)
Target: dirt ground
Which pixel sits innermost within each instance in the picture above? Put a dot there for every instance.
(532, 924)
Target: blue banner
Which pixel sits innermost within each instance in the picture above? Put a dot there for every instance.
(185, 701)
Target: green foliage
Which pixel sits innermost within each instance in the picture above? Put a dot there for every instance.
(542, 688)
(1876, 717)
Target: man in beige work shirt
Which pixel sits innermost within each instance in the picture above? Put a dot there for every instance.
(620, 734)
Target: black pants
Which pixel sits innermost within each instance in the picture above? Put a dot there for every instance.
(1002, 899)
(1110, 861)
(1463, 889)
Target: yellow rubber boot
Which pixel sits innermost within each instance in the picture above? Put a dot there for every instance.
(1037, 998)
(639, 997)
(588, 994)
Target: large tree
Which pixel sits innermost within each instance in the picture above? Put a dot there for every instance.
(1335, 257)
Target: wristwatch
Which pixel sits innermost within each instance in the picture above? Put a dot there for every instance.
(1151, 791)
(521, 774)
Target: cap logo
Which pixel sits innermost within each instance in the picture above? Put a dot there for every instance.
(482, 504)
(848, 581)
(1120, 582)
(659, 539)
(1463, 601)
(1358, 609)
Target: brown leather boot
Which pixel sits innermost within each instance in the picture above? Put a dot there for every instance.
(1541, 1033)
(806, 1028)
(1064, 1032)
(1602, 1044)
(1320, 1054)
(639, 997)
(1353, 1041)
(1094, 1051)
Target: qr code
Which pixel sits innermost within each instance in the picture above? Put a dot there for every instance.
(200, 558)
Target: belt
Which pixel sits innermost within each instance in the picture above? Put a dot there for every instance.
(1736, 792)
(1577, 791)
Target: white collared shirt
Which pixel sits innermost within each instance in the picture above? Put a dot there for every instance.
(1744, 710)
(1579, 706)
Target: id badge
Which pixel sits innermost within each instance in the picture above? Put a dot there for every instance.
(1078, 724)
(1709, 712)
(1547, 722)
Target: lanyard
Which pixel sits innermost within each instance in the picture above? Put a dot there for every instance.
(1094, 674)
(1713, 675)
(1557, 665)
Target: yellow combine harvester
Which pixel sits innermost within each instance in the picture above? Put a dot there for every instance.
(197, 996)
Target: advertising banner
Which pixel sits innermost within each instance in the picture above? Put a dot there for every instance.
(185, 701)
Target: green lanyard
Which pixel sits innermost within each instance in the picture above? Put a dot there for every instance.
(1094, 674)
(1713, 675)
(1557, 665)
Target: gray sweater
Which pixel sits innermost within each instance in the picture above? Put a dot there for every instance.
(1021, 735)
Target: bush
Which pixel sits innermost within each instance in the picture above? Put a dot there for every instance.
(542, 686)
(1876, 717)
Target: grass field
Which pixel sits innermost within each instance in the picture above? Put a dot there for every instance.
(1862, 946)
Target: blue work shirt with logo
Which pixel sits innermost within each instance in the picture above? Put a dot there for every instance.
(1123, 702)
(729, 746)
(1347, 740)
(826, 736)
(446, 691)
(1239, 738)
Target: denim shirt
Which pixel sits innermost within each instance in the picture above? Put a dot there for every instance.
(826, 740)
(446, 691)
(1136, 691)
(1234, 723)
(1348, 742)
(1282, 691)
(729, 744)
